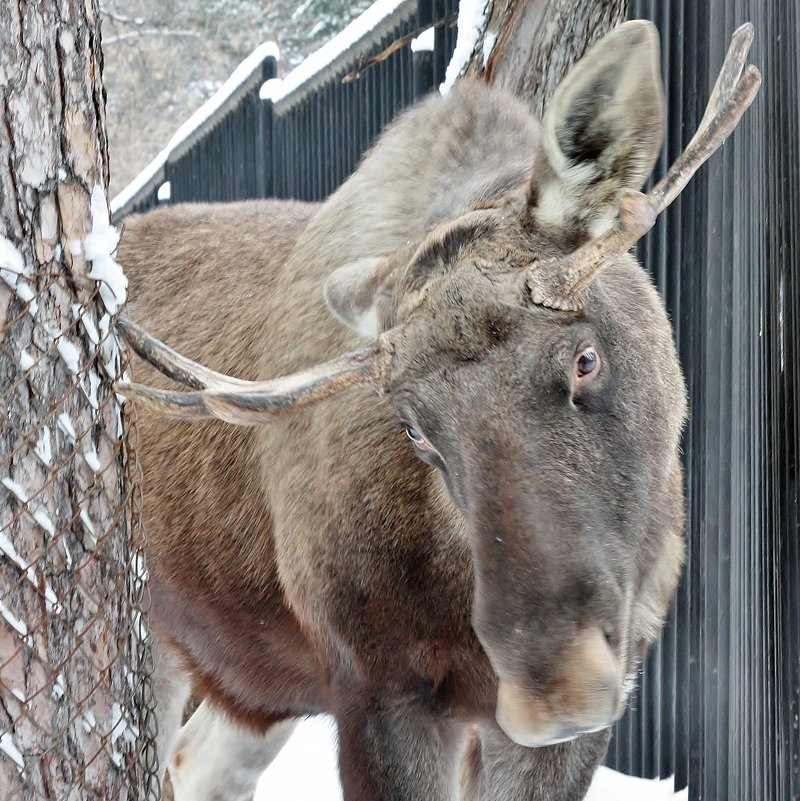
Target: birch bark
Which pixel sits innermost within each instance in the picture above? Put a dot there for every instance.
(68, 662)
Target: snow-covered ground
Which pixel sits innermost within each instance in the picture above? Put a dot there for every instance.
(305, 770)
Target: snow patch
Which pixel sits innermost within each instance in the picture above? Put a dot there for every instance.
(94, 386)
(89, 526)
(608, 784)
(43, 519)
(121, 729)
(14, 272)
(271, 89)
(88, 720)
(65, 424)
(360, 28)
(424, 42)
(44, 448)
(17, 489)
(59, 689)
(112, 358)
(79, 313)
(10, 750)
(164, 192)
(315, 739)
(69, 353)
(15, 623)
(67, 552)
(100, 245)
(471, 18)
(489, 40)
(12, 265)
(27, 295)
(140, 181)
(75, 247)
(7, 547)
(92, 459)
(26, 361)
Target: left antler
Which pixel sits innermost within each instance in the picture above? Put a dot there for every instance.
(560, 283)
(230, 399)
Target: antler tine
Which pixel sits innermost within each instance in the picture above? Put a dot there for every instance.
(245, 402)
(181, 405)
(732, 95)
(729, 74)
(170, 363)
(560, 283)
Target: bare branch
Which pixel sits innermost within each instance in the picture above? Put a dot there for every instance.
(150, 32)
(121, 18)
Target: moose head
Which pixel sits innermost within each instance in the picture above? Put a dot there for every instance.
(531, 363)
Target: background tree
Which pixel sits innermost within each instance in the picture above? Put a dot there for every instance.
(527, 46)
(71, 669)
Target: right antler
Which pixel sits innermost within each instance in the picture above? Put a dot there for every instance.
(560, 283)
(245, 402)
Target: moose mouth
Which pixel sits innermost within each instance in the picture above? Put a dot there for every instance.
(528, 720)
(588, 697)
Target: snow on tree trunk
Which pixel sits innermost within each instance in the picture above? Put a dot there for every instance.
(70, 665)
(527, 46)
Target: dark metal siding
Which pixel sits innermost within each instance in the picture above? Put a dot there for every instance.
(725, 256)
(319, 139)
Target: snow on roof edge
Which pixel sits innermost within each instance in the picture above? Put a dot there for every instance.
(151, 173)
(180, 139)
(362, 27)
(238, 78)
(380, 14)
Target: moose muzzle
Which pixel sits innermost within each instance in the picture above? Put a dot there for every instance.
(587, 697)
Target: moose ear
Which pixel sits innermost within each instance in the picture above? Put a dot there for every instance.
(356, 294)
(602, 131)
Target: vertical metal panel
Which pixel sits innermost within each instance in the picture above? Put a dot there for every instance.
(724, 682)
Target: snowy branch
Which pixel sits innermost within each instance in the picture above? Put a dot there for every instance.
(150, 32)
(121, 18)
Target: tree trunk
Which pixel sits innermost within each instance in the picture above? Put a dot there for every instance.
(70, 665)
(527, 46)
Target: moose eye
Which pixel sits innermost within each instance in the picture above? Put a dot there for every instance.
(416, 437)
(587, 363)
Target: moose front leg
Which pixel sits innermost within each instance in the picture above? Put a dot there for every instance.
(394, 749)
(498, 770)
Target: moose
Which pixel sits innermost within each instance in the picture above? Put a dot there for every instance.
(443, 499)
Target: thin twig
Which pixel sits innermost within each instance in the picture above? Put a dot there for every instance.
(152, 32)
(366, 62)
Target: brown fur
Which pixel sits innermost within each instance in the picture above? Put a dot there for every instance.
(317, 563)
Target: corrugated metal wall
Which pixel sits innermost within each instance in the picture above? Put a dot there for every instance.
(720, 699)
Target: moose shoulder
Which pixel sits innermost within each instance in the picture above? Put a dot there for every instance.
(475, 559)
